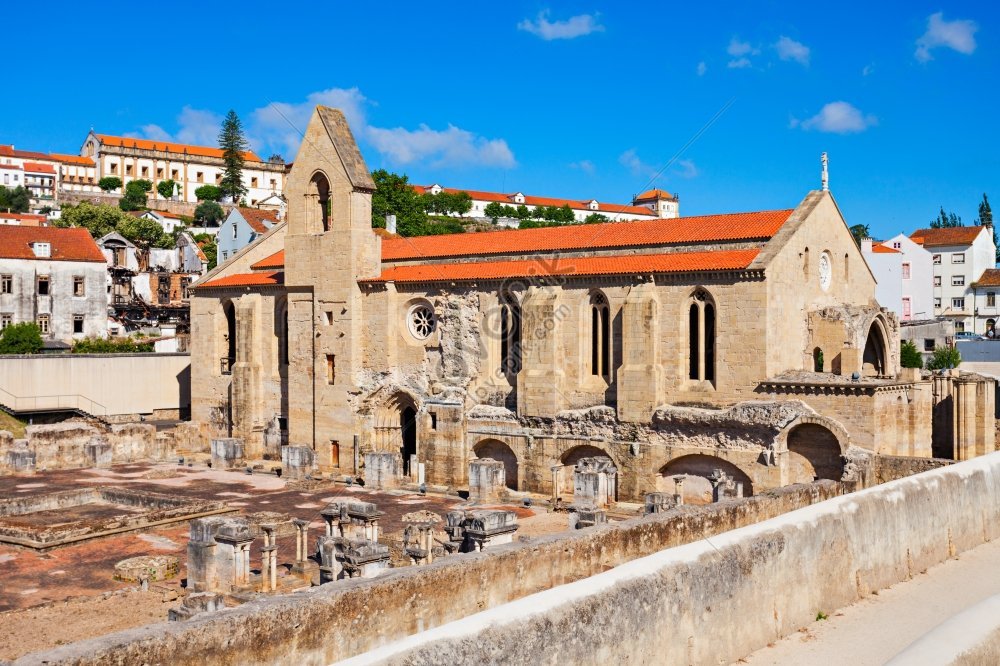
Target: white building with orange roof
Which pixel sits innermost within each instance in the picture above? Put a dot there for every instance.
(76, 173)
(189, 166)
(905, 276)
(582, 208)
(661, 202)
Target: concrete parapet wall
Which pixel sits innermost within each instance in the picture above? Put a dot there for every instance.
(717, 602)
(321, 625)
(100, 384)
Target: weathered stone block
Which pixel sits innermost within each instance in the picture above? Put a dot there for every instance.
(297, 461)
(486, 479)
(227, 452)
(383, 471)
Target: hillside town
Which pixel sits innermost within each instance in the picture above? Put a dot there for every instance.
(303, 384)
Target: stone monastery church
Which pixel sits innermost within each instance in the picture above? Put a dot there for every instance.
(749, 343)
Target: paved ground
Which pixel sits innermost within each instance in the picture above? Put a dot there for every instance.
(874, 630)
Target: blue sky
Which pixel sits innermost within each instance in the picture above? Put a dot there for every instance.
(558, 99)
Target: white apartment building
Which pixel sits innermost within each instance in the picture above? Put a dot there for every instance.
(187, 165)
(959, 255)
(905, 274)
(54, 277)
(55, 172)
(649, 205)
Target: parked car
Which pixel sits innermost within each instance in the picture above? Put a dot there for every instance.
(968, 335)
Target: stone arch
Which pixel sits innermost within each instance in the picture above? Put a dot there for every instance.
(318, 203)
(396, 427)
(571, 456)
(700, 315)
(600, 334)
(815, 446)
(875, 358)
(497, 450)
(696, 468)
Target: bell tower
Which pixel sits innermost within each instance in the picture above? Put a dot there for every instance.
(329, 246)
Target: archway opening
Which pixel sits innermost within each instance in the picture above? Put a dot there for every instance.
(694, 470)
(318, 208)
(813, 453)
(569, 460)
(408, 435)
(874, 358)
(817, 360)
(497, 450)
(396, 427)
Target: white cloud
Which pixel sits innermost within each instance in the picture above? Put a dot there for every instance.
(838, 118)
(630, 160)
(686, 169)
(702, 68)
(737, 48)
(439, 148)
(959, 35)
(585, 166)
(739, 63)
(278, 127)
(789, 49)
(195, 126)
(571, 28)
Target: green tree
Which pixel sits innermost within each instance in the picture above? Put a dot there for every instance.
(144, 233)
(944, 358)
(234, 147)
(395, 196)
(209, 211)
(166, 188)
(23, 338)
(207, 244)
(98, 219)
(595, 218)
(945, 220)
(109, 183)
(16, 200)
(208, 193)
(860, 232)
(985, 219)
(135, 195)
(494, 209)
(909, 357)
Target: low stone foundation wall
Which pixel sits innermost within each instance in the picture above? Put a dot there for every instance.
(716, 602)
(76, 444)
(890, 468)
(338, 620)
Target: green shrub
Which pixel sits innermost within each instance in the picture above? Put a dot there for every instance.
(944, 358)
(909, 357)
(23, 338)
(111, 346)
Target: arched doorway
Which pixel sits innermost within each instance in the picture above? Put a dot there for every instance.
(318, 205)
(695, 470)
(813, 453)
(569, 460)
(497, 450)
(396, 427)
(874, 359)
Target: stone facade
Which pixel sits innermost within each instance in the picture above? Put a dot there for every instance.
(672, 350)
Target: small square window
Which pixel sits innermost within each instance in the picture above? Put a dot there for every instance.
(937, 258)
(937, 280)
(991, 299)
(43, 285)
(6, 320)
(928, 344)
(958, 258)
(43, 323)
(145, 171)
(78, 286)
(957, 280)
(434, 421)
(78, 323)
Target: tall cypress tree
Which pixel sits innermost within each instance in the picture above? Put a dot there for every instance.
(234, 144)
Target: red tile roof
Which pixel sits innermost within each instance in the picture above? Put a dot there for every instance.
(653, 195)
(276, 260)
(946, 236)
(246, 280)
(162, 213)
(883, 249)
(730, 227)
(72, 159)
(256, 218)
(679, 262)
(12, 167)
(168, 147)
(989, 278)
(35, 167)
(10, 151)
(26, 219)
(577, 204)
(67, 244)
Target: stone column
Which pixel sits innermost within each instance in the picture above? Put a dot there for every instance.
(555, 482)
(486, 479)
(679, 490)
(301, 540)
(269, 560)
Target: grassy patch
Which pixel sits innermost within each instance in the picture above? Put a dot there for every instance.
(15, 426)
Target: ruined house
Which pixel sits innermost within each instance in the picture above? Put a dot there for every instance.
(749, 343)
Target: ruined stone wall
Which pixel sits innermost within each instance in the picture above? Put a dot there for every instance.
(890, 468)
(320, 626)
(75, 444)
(761, 582)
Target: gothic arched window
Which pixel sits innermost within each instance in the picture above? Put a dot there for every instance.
(701, 337)
(600, 336)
